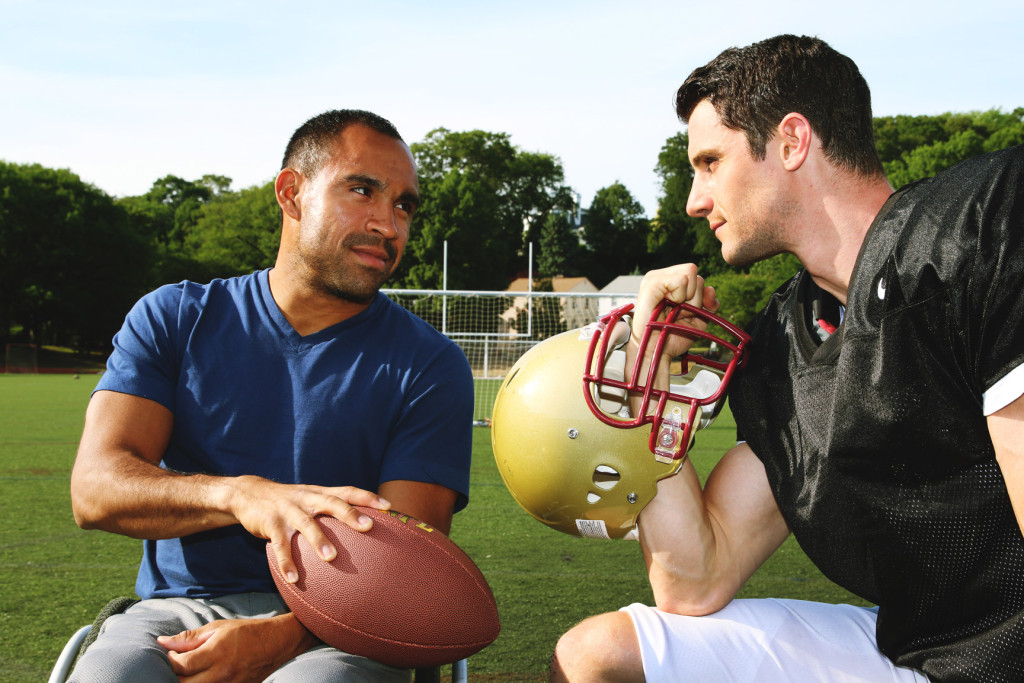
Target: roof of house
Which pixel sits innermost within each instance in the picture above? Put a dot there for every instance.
(558, 284)
(624, 284)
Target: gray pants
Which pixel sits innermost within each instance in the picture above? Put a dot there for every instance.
(126, 649)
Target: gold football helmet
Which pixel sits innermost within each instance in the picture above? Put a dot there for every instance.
(568, 422)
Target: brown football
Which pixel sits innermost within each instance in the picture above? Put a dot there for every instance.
(402, 593)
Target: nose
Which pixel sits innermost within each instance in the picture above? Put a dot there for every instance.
(382, 221)
(699, 202)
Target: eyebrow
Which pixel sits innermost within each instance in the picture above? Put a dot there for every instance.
(703, 155)
(375, 183)
(379, 185)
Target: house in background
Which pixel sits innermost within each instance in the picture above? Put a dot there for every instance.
(622, 290)
(576, 311)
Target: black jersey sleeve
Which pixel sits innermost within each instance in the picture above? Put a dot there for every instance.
(994, 304)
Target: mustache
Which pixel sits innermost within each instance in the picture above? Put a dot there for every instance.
(371, 241)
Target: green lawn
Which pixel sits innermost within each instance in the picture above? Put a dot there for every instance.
(55, 577)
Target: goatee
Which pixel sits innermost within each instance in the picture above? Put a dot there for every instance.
(357, 284)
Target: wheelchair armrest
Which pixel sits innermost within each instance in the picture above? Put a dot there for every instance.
(67, 656)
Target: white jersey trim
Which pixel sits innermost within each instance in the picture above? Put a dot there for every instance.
(1004, 392)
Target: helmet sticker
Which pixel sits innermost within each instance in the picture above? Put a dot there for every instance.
(592, 528)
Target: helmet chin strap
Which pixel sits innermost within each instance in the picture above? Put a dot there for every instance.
(668, 445)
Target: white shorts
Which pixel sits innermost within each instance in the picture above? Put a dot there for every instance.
(767, 641)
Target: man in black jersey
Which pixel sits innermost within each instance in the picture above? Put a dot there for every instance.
(887, 435)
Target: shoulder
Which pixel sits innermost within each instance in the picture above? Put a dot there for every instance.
(190, 291)
(183, 301)
(974, 173)
(931, 232)
(409, 324)
(397, 332)
(983, 181)
(242, 287)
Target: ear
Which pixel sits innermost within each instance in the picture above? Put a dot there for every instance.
(793, 139)
(286, 189)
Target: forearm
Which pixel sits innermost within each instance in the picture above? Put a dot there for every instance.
(701, 545)
(117, 483)
(294, 637)
(237, 649)
(124, 494)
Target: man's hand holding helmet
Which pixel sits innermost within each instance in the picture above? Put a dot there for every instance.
(678, 284)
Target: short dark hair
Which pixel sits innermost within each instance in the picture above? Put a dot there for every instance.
(308, 147)
(754, 87)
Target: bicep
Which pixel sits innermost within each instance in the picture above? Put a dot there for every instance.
(430, 503)
(117, 422)
(748, 524)
(124, 435)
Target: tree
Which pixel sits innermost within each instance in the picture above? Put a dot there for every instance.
(676, 237)
(915, 147)
(615, 235)
(166, 214)
(777, 269)
(169, 207)
(237, 232)
(485, 197)
(72, 262)
(559, 245)
(742, 295)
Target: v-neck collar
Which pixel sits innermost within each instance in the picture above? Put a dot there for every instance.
(287, 333)
(812, 347)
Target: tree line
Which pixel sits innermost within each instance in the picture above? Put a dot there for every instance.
(73, 259)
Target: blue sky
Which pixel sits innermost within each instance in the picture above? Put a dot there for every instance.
(123, 93)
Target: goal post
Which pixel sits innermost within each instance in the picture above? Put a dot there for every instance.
(494, 329)
(21, 358)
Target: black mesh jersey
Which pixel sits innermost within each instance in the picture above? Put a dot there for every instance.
(874, 440)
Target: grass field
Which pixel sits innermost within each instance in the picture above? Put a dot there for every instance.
(55, 577)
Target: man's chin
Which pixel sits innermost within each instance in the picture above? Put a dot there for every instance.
(355, 295)
(361, 293)
(743, 257)
(735, 261)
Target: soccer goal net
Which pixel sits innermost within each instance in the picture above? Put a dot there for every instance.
(495, 328)
(21, 358)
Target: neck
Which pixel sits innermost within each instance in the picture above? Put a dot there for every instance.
(835, 229)
(307, 310)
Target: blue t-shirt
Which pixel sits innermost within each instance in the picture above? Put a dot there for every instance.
(378, 397)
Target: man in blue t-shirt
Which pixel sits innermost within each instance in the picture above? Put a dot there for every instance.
(232, 413)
